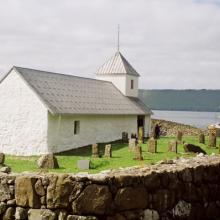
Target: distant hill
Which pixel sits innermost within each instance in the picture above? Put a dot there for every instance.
(182, 100)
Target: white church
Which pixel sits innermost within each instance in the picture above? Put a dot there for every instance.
(43, 112)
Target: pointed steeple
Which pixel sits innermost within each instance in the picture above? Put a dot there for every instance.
(117, 65)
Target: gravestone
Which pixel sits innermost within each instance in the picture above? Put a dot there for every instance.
(152, 145)
(179, 136)
(2, 158)
(138, 153)
(140, 135)
(83, 164)
(201, 138)
(95, 151)
(124, 137)
(48, 161)
(212, 139)
(132, 144)
(172, 146)
(153, 132)
(108, 150)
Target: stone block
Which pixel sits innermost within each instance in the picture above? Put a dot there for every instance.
(83, 164)
(48, 161)
(108, 151)
(152, 145)
(94, 199)
(172, 146)
(95, 151)
(25, 193)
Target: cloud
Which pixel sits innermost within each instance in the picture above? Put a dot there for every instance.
(172, 43)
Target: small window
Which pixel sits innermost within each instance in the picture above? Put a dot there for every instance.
(132, 84)
(76, 127)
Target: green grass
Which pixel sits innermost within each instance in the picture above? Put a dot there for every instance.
(122, 157)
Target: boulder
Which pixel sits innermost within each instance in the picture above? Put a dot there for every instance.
(48, 161)
(193, 148)
(94, 199)
(129, 198)
(25, 193)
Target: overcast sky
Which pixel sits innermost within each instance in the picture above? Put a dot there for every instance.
(171, 43)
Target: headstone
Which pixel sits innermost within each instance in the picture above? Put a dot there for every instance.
(193, 148)
(172, 146)
(83, 164)
(138, 153)
(152, 145)
(124, 137)
(48, 161)
(108, 150)
(140, 135)
(212, 139)
(153, 132)
(201, 138)
(95, 151)
(132, 144)
(2, 158)
(179, 136)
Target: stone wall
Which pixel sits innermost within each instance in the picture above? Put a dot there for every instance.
(175, 189)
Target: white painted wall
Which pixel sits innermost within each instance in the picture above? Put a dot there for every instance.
(123, 83)
(23, 118)
(93, 129)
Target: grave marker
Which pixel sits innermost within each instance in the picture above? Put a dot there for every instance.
(95, 151)
(152, 145)
(108, 150)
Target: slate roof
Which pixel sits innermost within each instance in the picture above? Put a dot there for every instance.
(67, 94)
(117, 65)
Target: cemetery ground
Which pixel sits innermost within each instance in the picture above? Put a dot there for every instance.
(121, 157)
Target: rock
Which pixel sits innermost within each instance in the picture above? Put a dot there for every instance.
(59, 191)
(129, 198)
(2, 158)
(9, 214)
(152, 145)
(193, 148)
(21, 213)
(77, 217)
(5, 193)
(150, 214)
(201, 138)
(62, 215)
(83, 164)
(48, 161)
(11, 202)
(94, 199)
(132, 144)
(95, 151)
(3, 207)
(39, 188)
(5, 169)
(108, 151)
(41, 214)
(182, 209)
(25, 194)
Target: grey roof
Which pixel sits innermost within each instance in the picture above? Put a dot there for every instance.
(117, 65)
(67, 94)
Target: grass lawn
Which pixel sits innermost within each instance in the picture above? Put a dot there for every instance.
(122, 157)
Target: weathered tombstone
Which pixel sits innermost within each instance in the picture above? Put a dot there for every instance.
(83, 164)
(48, 161)
(132, 144)
(140, 135)
(212, 139)
(179, 136)
(193, 148)
(153, 132)
(95, 151)
(2, 158)
(124, 137)
(138, 153)
(172, 146)
(201, 138)
(108, 150)
(152, 145)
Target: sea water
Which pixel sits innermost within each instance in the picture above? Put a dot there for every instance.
(197, 119)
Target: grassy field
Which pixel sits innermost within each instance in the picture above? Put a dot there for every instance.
(122, 157)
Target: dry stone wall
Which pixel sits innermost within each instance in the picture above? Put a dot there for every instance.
(177, 189)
